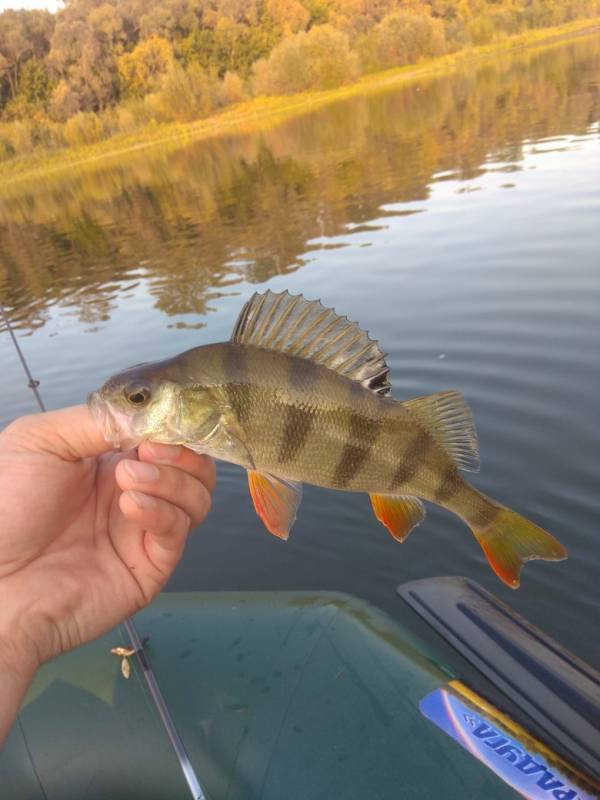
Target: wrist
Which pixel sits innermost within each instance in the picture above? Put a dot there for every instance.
(19, 655)
(16, 660)
(17, 669)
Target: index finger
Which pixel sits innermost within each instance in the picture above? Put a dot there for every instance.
(200, 466)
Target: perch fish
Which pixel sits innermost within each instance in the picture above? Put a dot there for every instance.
(301, 395)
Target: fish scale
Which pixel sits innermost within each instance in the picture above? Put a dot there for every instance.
(302, 395)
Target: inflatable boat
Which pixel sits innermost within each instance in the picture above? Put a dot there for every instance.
(311, 696)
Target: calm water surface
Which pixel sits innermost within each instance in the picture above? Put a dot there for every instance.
(458, 219)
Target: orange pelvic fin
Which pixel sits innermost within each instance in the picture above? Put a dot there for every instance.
(276, 501)
(399, 514)
(509, 541)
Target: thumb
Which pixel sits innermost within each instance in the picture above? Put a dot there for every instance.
(69, 433)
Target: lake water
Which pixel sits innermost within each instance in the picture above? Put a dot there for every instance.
(457, 219)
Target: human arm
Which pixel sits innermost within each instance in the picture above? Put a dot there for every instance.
(86, 539)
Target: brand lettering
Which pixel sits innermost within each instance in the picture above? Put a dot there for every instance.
(509, 752)
(548, 782)
(568, 794)
(500, 742)
(483, 731)
(503, 754)
(529, 767)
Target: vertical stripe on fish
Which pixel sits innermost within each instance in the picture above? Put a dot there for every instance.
(363, 435)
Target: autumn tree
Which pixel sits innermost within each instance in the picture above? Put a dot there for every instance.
(358, 16)
(290, 16)
(174, 59)
(171, 19)
(141, 70)
(84, 50)
(401, 38)
(34, 90)
(319, 11)
(64, 102)
(318, 59)
(185, 93)
(229, 45)
(23, 35)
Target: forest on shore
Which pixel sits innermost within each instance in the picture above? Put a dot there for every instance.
(249, 207)
(99, 68)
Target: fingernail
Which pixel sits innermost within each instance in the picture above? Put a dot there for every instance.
(164, 452)
(143, 500)
(141, 472)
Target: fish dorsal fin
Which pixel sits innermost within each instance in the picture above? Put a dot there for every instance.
(447, 417)
(307, 329)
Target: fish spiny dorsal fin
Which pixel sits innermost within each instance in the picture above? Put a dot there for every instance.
(447, 417)
(308, 330)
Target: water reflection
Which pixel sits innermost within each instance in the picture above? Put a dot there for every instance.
(456, 219)
(192, 222)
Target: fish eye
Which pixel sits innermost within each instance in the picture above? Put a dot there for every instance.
(138, 396)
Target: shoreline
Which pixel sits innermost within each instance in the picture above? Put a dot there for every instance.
(254, 114)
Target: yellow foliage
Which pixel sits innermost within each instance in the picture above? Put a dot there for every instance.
(231, 89)
(318, 59)
(22, 136)
(64, 102)
(83, 128)
(401, 38)
(290, 15)
(184, 94)
(481, 29)
(141, 70)
(87, 69)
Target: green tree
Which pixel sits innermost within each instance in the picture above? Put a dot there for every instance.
(319, 11)
(35, 84)
(229, 45)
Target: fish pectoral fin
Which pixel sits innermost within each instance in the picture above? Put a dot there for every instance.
(276, 501)
(400, 514)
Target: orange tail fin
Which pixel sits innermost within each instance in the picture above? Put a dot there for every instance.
(509, 540)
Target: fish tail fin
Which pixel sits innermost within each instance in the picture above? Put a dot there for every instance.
(509, 540)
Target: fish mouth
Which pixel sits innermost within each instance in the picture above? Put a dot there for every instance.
(115, 425)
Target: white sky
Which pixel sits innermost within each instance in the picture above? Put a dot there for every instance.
(51, 5)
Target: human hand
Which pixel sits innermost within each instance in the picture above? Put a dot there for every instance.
(87, 537)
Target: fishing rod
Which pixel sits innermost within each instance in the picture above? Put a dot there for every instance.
(136, 643)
